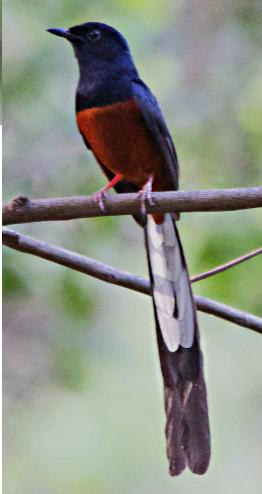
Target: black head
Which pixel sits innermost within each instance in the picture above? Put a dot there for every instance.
(105, 62)
(95, 40)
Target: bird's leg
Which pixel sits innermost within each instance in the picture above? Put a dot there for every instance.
(100, 195)
(145, 194)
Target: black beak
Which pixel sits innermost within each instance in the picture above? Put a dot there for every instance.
(64, 33)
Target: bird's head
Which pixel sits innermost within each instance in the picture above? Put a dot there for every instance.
(95, 41)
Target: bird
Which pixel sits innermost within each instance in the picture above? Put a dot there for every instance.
(122, 124)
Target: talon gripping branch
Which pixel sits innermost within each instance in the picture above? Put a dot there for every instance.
(121, 122)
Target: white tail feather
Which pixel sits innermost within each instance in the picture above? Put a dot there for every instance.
(171, 285)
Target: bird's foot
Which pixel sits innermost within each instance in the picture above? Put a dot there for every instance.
(99, 197)
(145, 194)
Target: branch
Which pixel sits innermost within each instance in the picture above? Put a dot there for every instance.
(103, 272)
(74, 261)
(227, 265)
(229, 313)
(23, 210)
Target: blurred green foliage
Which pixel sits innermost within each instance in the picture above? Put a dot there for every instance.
(14, 282)
(83, 402)
(77, 302)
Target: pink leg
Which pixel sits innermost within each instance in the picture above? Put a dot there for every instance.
(101, 194)
(146, 194)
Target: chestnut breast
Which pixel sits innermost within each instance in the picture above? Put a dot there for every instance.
(120, 140)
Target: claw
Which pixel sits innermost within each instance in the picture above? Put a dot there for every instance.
(102, 193)
(145, 194)
(99, 198)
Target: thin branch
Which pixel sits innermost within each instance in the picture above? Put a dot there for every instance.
(23, 210)
(227, 265)
(229, 313)
(74, 261)
(106, 273)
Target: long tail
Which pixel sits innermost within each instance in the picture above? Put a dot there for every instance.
(187, 426)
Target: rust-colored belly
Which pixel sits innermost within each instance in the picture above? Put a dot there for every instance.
(120, 140)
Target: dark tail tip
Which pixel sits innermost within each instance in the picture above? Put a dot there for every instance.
(175, 468)
(200, 467)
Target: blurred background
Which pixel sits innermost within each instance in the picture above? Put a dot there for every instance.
(83, 393)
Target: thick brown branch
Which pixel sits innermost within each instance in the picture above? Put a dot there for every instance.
(106, 273)
(22, 210)
(227, 265)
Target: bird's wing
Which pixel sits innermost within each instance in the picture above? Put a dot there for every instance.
(156, 124)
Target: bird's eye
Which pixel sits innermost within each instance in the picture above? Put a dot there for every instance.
(94, 35)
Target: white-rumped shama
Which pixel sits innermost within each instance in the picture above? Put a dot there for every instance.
(121, 122)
